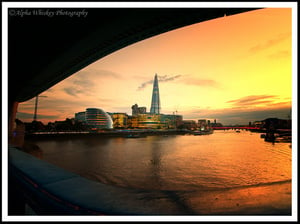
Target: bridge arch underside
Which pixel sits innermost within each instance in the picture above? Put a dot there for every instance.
(45, 50)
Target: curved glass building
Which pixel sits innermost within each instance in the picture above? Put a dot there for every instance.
(98, 119)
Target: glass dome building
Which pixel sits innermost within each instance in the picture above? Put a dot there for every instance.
(98, 119)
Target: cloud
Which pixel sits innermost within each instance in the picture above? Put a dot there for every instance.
(188, 81)
(84, 81)
(253, 100)
(143, 85)
(281, 104)
(72, 91)
(269, 43)
(79, 84)
(164, 78)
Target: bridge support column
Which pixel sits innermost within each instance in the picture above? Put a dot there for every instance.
(16, 129)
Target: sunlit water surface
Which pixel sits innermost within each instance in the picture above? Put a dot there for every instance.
(222, 160)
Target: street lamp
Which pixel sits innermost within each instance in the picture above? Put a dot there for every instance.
(35, 107)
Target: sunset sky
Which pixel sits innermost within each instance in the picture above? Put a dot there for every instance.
(235, 69)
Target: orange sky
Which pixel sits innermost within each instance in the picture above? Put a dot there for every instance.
(235, 69)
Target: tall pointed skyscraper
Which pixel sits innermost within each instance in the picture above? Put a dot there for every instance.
(155, 103)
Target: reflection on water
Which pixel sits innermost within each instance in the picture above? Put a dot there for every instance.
(223, 160)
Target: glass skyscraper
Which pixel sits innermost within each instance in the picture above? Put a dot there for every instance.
(155, 103)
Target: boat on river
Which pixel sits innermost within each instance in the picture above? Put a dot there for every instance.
(203, 132)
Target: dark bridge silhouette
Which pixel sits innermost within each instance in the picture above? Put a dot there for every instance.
(44, 50)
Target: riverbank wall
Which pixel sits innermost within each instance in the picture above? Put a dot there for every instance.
(104, 134)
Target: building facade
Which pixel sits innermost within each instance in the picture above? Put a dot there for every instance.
(202, 124)
(189, 124)
(171, 121)
(80, 116)
(120, 120)
(97, 119)
(133, 122)
(138, 110)
(155, 102)
(149, 121)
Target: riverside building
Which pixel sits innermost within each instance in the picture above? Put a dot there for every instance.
(98, 119)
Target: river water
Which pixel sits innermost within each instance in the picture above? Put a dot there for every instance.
(222, 160)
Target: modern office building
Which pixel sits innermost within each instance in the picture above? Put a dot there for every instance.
(189, 124)
(134, 109)
(138, 110)
(98, 119)
(202, 124)
(80, 116)
(120, 120)
(170, 121)
(142, 110)
(149, 121)
(155, 103)
(133, 122)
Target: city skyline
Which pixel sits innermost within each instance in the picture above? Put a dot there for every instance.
(236, 69)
